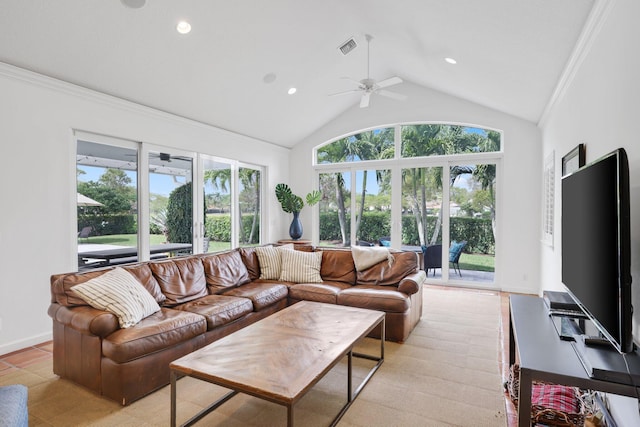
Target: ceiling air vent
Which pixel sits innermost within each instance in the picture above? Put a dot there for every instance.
(348, 46)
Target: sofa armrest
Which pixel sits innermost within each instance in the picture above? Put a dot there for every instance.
(85, 319)
(412, 283)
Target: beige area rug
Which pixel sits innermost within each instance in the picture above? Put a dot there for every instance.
(446, 374)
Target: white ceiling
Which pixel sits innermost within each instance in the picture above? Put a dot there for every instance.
(510, 53)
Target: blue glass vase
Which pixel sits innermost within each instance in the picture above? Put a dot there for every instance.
(295, 230)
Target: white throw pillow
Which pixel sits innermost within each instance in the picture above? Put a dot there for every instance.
(270, 260)
(301, 267)
(118, 292)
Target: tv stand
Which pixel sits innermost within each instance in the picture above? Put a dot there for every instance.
(543, 356)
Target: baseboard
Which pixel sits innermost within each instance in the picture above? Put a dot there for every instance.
(24, 343)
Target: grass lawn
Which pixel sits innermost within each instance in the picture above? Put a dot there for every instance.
(477, 262)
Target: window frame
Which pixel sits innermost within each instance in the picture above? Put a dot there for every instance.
(143, 191)
(395, 165)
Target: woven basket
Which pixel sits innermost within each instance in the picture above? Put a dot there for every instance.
(552, 417)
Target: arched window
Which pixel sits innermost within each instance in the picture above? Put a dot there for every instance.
(413, 187)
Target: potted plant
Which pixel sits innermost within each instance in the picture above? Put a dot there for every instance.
(292, 203)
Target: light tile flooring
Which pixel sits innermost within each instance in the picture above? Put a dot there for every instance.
(25, 357)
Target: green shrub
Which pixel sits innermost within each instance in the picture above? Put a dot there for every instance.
(476, 231)
(179, 215)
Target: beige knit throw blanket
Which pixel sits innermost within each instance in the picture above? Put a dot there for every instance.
(367, 256)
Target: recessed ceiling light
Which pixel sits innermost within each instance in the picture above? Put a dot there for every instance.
(133, 4)
(269, 78)
(183, 27)
(292, 90)
(451, 60)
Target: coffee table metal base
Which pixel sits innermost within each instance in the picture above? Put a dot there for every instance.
(351, 395)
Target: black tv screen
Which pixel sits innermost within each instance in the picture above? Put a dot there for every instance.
(596, 245)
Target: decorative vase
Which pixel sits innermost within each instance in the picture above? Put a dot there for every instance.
(295, 230)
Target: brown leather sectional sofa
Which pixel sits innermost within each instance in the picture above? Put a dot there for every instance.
(206, 297)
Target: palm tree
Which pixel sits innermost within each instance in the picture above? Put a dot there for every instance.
(370, 145)
(250, 180)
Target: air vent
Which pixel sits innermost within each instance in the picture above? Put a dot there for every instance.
(348, 46)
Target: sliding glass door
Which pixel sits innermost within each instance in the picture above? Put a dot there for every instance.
(182, 203)
(107, 200)
(171, 207)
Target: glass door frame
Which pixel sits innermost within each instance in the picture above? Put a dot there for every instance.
(144, 193)
(395, 166)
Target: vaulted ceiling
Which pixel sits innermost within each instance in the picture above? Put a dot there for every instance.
(233, 70)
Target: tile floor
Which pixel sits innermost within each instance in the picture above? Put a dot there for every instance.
(25, 357)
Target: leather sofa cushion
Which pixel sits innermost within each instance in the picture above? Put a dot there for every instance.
(261, 294)
(224, 270)
(319, 292)
(385, 299)
(181, 279)
(382, 273)
(218, 309)
(143, 273)
(250, 260)
(161, 330)
(61, 287)
(337, 266)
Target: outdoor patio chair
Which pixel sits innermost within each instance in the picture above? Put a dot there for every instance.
(85, 232)
(455, 250)
(432, 255)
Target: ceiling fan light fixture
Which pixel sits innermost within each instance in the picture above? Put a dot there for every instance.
(183, 27)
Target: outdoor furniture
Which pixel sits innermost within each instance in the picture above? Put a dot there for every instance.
(105, 257)
(455, 250)
(85, 232)
(432, 255)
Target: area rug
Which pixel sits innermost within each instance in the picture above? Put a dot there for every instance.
(446, 374)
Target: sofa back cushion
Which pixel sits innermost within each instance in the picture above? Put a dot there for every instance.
(61, 284)
(250, 260)
(225, 270)
(181, 279)
(404, 263)
(143, 273)
(337, 266)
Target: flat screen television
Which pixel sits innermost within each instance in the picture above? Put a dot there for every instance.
(596, 261)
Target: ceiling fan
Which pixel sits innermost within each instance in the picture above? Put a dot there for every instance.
(369, 86)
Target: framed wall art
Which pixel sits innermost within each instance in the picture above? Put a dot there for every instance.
(574, 160)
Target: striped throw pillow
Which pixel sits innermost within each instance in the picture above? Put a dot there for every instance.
(270, 260)
(301, 267)
(118, 292)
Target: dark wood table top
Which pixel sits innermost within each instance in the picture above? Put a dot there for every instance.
(108, 254)
(281, 357)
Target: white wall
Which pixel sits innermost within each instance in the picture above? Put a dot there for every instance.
(37, 179)
(517, 253)
(601, 108)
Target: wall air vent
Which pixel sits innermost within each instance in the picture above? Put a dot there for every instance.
(348, 46)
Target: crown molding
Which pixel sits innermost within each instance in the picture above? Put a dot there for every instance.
(50, 83)
(589, 34)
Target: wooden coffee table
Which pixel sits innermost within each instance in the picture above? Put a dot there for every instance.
(280, 358)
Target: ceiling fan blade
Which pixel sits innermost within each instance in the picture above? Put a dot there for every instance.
(364, 101)
(345, 92)
(389, 82)
(392, 95)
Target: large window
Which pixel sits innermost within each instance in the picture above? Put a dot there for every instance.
(430, 188)
(183, 203)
